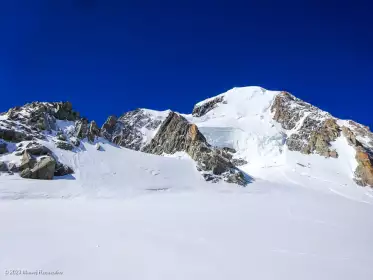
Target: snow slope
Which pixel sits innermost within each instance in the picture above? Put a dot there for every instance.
(130, 215)
(244, 121)
(111, 171)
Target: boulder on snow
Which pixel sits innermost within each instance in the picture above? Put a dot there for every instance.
(26, 173)
(64, 145)
(44, 169)
(12, 167)
(37, 149)
(3, 167)
(61, 136)
(62, 170)
(27, 161)
(75, 142)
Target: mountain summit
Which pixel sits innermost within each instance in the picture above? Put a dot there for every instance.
(241, 135)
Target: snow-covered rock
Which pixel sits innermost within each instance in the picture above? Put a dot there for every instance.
(134, 129)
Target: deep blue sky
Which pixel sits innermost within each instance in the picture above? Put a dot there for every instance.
(108, 57)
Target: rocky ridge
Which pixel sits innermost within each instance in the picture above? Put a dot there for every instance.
(176, 134)
(134, 129)
(308, 130)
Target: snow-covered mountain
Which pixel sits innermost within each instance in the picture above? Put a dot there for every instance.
(237, 136)
(175, 206)
(275, 133)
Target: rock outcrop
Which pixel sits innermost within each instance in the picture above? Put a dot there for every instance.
(38, 162)
(364, 170)
(312, 129)
(305, 129)
(64, 145)
(364, 158)
(177, 134)
(43, 115)
(3, 167)
(130, 129)
(29, 121)
(64, 111)
(83, 130)
(108, 127)
(36, 149)
(27, 161)
(200, 110)
(13, 135)
(62, 170)
(93, 131)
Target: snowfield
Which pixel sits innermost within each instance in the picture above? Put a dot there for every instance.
(124, 214)
(129, 215)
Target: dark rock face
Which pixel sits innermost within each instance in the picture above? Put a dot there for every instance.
(64, 111)
(81, 128)
(229, 150)
(75, 142)
(62, 170)
(36, 149)
(93, 131)
(85, 130)
(314, 129)
(177, 134)
(108, 127)
(203, 109)
(3, 167)
(12, 167)
(126, 131)
(12, 135)
(3, 148)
